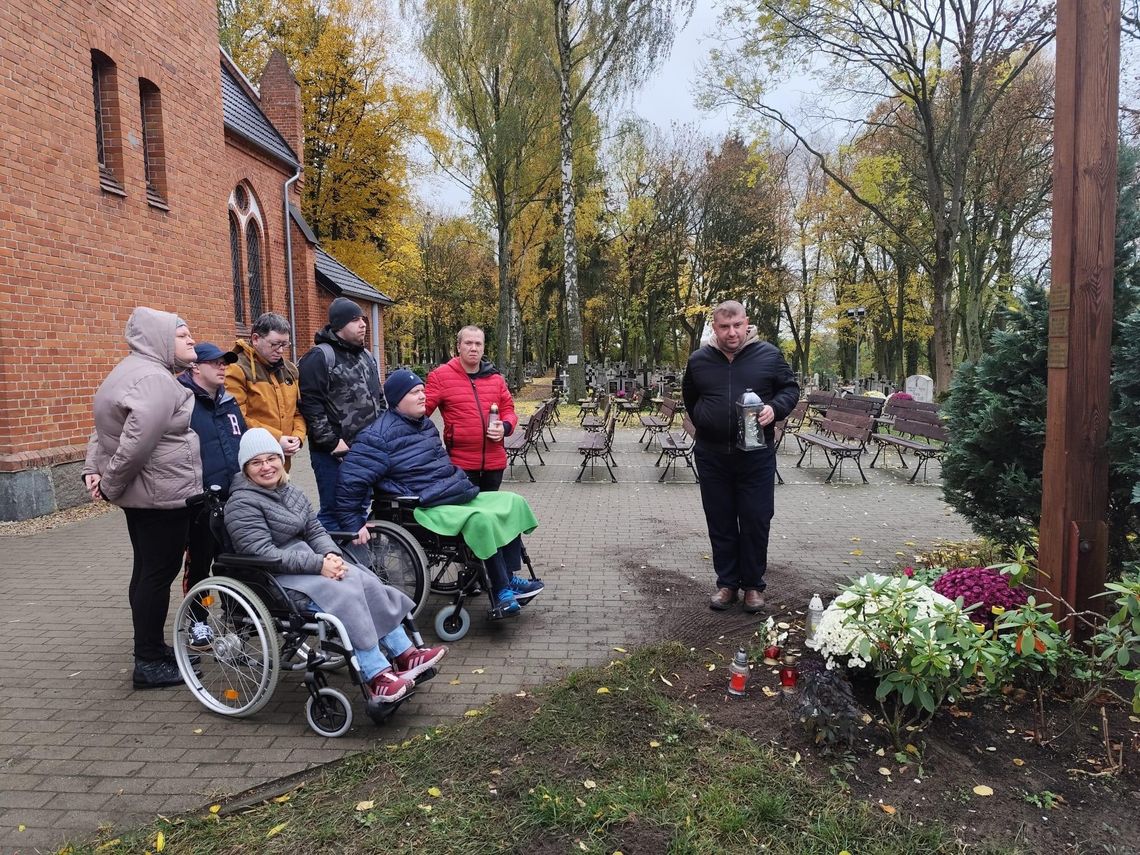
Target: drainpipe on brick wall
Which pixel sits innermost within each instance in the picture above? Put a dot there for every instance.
(289, 262)
(376, 337)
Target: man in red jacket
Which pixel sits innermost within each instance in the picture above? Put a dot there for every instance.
(464, 389)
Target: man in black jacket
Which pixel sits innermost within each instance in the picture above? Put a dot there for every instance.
(737, 486)
(340, 396)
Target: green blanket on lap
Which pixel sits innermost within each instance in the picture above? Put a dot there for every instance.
(487, 522)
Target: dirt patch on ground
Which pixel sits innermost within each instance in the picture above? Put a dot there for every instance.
(1057, 798)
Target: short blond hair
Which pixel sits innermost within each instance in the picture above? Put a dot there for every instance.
(470, 328)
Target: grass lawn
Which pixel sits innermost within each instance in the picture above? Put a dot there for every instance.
(600, 762)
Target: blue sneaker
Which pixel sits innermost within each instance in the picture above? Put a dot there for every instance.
(524, 589)
(506, 603)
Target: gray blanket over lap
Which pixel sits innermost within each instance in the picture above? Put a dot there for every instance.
(280, 524)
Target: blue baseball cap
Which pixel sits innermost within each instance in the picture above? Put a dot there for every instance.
(208, 352)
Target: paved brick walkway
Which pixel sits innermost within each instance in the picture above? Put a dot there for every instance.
(79, 748)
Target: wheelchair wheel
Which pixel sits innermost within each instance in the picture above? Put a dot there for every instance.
(398, 560)
(452, 623)
(330, 713)
(233, 639)
(445, 576)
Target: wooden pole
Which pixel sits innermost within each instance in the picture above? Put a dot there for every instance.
(1073, 533)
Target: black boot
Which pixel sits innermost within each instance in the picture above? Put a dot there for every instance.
(157, 674)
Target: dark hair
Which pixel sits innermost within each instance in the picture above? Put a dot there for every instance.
(270, 322)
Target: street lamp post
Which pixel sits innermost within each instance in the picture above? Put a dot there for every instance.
(857, 315)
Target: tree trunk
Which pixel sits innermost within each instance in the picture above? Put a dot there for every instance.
(575, 352)
(942, 319)
(503, 325)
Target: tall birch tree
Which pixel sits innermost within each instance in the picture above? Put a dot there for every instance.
(489, 56)
(603, 46)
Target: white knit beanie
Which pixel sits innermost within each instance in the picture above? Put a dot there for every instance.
(257, 441)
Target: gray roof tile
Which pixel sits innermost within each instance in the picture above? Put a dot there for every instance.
(342, 281)
(243, 117)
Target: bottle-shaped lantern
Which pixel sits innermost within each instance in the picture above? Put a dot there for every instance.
(749, 433)
(814, 615)
(738, 673)
(494, 419)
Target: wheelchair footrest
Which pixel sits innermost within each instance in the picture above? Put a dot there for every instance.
(499, 614)
(380, 713)
(425, 676)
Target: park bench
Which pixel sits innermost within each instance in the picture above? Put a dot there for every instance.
(596, 446)
(842, 435)
(596, 423)
(904, 407)
(792, 423)
(526, 438)
(590, 408)
(655, 425)
(678, 444)
(919, 432)
(587, 405)
(867, 404)
(630, 407)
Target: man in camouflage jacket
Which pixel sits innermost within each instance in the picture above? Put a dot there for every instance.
(340, 395)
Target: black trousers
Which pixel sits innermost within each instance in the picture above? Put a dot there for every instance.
(487, 480)
(738, 496)
(158, 538)
(202, 549)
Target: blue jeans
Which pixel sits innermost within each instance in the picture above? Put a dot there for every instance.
(325, 470)
(373, 661)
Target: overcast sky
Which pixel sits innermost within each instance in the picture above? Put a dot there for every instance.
(665, 99)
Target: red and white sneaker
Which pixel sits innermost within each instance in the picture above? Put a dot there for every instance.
(387, 687)
(415, 660)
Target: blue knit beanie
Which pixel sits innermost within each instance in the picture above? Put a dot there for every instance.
(399, 383)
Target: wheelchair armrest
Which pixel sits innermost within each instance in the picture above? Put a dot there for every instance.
(342, 535)
(247, 562)
(396, 501)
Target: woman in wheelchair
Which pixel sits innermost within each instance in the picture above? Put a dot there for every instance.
(401, 454)
(267, 517)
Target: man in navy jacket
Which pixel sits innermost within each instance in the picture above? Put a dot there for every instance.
(737, 486)
(218, 421)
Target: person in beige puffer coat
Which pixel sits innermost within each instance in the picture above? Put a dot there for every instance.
(143, 457)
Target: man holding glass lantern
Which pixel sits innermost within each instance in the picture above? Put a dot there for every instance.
(735, 388)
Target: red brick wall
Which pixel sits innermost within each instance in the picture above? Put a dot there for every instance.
(265, 177)
(75, 259)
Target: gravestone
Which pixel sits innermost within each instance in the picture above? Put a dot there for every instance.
(920, 387)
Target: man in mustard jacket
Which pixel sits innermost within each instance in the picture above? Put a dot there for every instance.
(264, 383)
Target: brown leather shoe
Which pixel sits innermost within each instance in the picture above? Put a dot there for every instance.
(753, 601)
(722, 599)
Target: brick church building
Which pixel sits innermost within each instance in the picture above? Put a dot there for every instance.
(139, 167)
